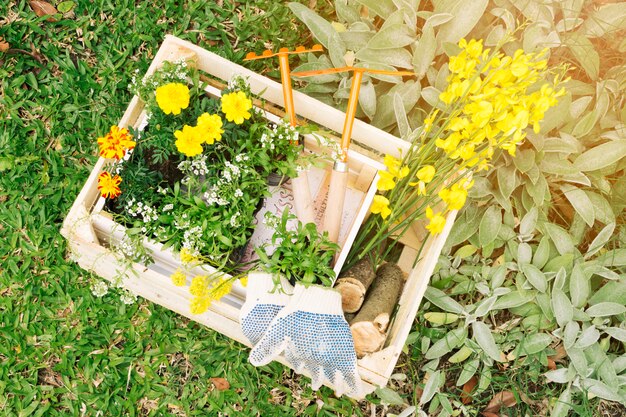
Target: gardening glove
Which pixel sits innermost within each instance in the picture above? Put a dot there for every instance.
(264, 300)
(314, 336)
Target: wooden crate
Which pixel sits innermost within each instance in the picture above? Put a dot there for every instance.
(90, 230)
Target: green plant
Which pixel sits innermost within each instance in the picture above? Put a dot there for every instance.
(298, 252)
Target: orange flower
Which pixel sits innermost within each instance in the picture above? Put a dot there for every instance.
(114, 144)
(109, 186)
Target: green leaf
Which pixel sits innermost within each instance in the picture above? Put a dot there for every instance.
(466, 14)
(451, 340)
(585, 124)
(602, 208)
(484, 338)
(528, 223)
(580, 201)
(401, 117)
(579, 287)
(614, 291)
(587, 337)
(367, 99)
(391, 36)
(431, 95)
(617, 333)
(561, 375)
(319, 27)
(562, 307)
(443, 301)
(601, 156)
(382, 8)
(601, 390)
(561, 239)
(431, 387)
(563, 404)
(397, 57)
(542, 253)
(507, 180)
(607, 18)
(535, 343)
(6, 163)
(424, 51)
(485, 306)
(65, 6)
(585, 53)
(606, 309)
(389, 396)
(490, 225)
(600, 240)
(534, 275)
(578, 359)
(513, 299)
(615, 257)
(468, 371)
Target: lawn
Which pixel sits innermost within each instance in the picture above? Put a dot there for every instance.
(64, 351)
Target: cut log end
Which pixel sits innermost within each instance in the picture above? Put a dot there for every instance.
(353, 285)
(352, 294)
(369, 326)
(367, 338)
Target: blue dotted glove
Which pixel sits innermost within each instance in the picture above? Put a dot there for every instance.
(314, 337)
(264, 300)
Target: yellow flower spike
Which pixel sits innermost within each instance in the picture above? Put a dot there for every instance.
(454, 197)
(210, 128)
(426, 173)
(380, 205)
(198, 286)
(178, 278)
(172, 98)
(188, 141)
(187, 257)
(220, 288)
(386, 181)
(236, 107)
(437, 221)
(199, 305)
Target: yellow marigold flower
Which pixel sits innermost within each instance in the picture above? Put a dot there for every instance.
(454, 196)
(210, 127)
(109, 186)
(198, 286)
(386, 181)
(172, 97)
(199, 304)
(114, 144)
(236, 106)
(220, 288)
(437, 221)
(381, 205)
(178, 278)
(188, 141)
(187, 257)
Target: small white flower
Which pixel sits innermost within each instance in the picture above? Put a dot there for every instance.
(99, 289)
(128, 297)
(238, 193)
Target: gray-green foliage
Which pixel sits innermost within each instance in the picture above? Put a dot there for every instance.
(537, 260)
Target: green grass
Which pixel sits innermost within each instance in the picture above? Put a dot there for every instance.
(62, 350)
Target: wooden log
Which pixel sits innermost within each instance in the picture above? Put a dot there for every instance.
(354, 283)
(369, 326)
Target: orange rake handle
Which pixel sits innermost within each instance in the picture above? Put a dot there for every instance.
(300, 184)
